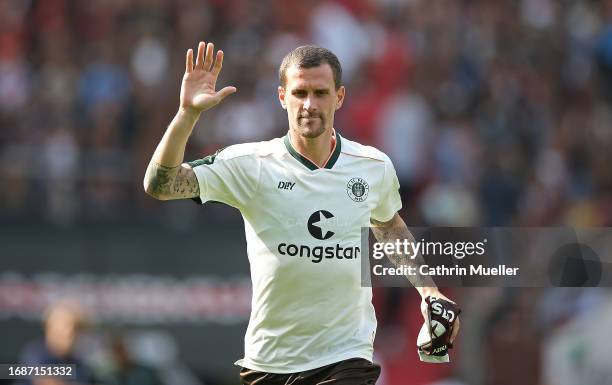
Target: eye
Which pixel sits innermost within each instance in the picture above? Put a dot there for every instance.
(321, 92)
(299, 93)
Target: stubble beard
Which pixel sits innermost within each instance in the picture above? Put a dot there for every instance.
(311, 130)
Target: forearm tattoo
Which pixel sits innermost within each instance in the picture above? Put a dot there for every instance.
(392, 231)
(171, 182)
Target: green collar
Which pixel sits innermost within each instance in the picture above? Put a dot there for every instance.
(306, 162)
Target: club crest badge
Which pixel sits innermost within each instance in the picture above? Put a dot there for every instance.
(357, 189)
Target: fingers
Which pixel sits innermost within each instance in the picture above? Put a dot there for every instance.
(200, 58)
(218, 63)
(189, 61)
(208, 59)
(225, 92)
(204, 59)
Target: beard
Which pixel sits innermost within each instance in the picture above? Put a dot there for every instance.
(310, 125)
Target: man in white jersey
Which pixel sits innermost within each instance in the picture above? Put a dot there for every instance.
(304, 199)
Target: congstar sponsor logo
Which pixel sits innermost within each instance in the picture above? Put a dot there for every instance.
(319, 226)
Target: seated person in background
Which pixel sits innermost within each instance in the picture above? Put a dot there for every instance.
(125, 370)
(62, 322)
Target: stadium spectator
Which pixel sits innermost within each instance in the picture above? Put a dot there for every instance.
(63, 324)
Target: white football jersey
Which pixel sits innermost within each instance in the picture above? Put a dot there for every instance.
(303, 230)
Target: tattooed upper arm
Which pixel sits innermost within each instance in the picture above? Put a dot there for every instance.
(392, 229)
(185, 184)
(165, 183)
(395, 221)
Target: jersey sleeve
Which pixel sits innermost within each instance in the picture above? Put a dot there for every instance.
(227, 177)
(389, 202)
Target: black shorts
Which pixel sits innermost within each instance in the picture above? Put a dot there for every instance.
(354, 371)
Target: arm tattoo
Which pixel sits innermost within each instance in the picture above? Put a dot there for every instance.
(171, 182)
(389, 232)
(159, 178)
(186, 184)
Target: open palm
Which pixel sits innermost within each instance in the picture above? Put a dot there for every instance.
(199, 82)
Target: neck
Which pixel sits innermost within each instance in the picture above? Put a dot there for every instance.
(58, 349)
(317, 150)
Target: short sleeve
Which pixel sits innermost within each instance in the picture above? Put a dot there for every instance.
(389, 201)
(228, 177)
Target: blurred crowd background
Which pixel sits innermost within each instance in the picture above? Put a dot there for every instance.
(495, 113)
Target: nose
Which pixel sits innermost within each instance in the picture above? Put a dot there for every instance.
(308, 104)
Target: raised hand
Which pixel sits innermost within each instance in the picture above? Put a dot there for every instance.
(198, 88)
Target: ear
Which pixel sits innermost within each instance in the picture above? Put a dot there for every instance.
(340, 97)
(281, 97)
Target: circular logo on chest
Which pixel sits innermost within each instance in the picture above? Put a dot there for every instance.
(318, 224)
(357, 189)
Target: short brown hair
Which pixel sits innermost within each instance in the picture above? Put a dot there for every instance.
(309, 56)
